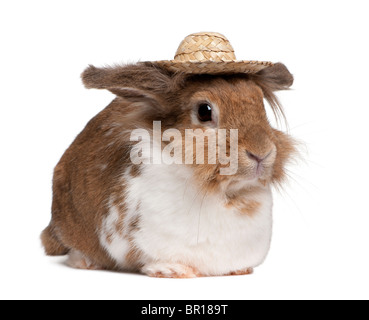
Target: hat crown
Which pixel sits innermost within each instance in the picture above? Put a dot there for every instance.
(205, 46)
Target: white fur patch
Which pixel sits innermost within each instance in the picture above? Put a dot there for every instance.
(180, 225)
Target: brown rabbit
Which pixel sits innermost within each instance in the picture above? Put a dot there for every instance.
(170, 220)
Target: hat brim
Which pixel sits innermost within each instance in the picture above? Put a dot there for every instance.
(214, 67)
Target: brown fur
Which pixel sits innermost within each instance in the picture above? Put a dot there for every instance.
(51, 243)
(89, 172)
(242, 272)
(248, 207)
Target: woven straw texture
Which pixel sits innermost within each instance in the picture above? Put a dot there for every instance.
(210, 53)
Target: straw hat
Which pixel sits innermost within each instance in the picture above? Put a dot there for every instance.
(209, 53)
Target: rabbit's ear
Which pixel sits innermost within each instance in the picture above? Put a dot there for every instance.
(271, 79)
(276, 77)
(132, 82)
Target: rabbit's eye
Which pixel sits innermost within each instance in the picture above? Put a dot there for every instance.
(204, 112)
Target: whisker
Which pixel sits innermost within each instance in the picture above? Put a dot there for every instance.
(186, 187)
(302, 125)
(314, 163)
(290, 174)
(194, 199)
(198, 224)
(284, 194)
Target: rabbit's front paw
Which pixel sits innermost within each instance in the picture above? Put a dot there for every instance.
(169, 270)
(77, 260)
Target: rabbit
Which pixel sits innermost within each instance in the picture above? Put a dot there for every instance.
(170, 220)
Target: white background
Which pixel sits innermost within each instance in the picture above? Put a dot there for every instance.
(321, 235)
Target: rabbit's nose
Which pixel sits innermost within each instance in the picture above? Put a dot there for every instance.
(257, 158)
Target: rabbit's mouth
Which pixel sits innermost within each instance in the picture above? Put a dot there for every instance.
(254, 167)
(260, 171)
